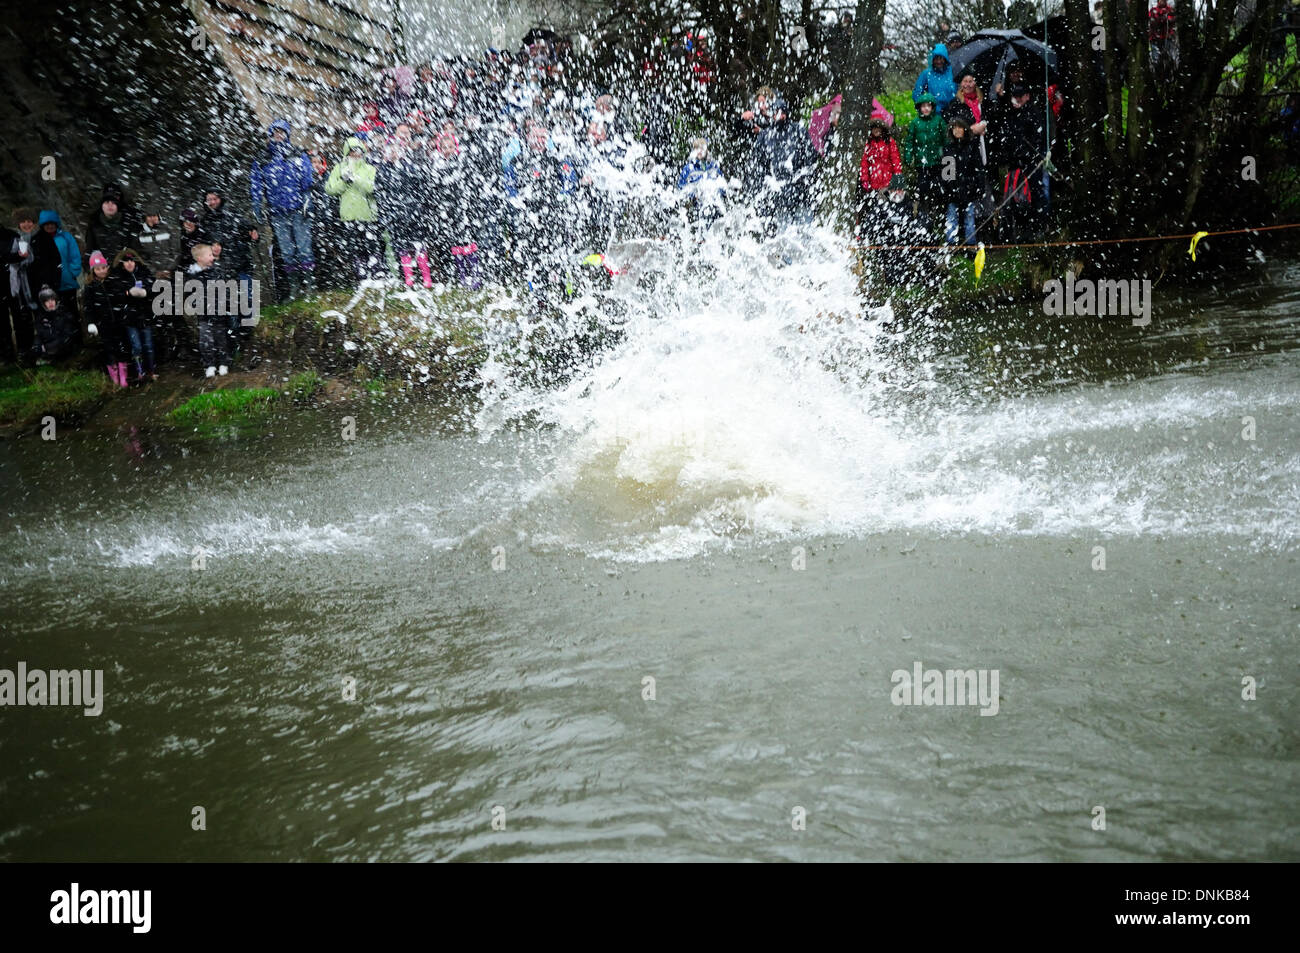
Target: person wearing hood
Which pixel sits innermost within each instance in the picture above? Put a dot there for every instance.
(112, 226)
(58, 260)
(352, 180)
(824, 125)
(106, 320)
(881, 159)
(923, 150)
(281, 186)
(57, 331)
(937, 80)
(17, 256)
(785, 159)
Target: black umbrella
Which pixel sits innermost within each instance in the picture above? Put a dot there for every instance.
(540, 34)
(987, 53)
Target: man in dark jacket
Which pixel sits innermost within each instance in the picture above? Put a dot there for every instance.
(1023, 141)
(782, 167)
(158, 243)
(227, 229)
(281, 187)
(112, 227)
(233, 238)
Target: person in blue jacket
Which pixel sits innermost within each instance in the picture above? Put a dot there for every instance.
(701, 179)
(58, 260)
(281, 185)
(937, 80)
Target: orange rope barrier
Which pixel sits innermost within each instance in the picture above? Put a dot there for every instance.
(1084, 241)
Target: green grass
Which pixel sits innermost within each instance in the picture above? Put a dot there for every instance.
(232, 405)
(304, 385)
(900, 104)
(26, 396)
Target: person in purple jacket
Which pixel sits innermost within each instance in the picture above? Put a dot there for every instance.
(281, 186)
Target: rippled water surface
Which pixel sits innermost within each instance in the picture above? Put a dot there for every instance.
(501, 580)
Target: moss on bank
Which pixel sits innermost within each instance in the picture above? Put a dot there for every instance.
(66, 394)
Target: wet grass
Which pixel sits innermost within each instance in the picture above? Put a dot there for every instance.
(304, 385)
(28, 395)
(231, 405)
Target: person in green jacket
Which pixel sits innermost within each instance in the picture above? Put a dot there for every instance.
(353, 181)
(923, 148)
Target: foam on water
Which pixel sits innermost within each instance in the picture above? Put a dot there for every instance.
(752, 397)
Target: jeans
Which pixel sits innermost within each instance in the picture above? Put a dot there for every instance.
(141, 343)
(950, 233)
(293, 238)
(214, 342)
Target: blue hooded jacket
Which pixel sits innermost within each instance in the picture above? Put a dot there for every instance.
(939, 85)
(284, 177)
(68, 251)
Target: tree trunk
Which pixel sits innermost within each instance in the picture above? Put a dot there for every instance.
(861, 85)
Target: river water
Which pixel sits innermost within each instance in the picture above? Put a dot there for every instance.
(765, 507)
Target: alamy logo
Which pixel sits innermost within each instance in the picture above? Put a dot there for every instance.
(103, 906)
(215, 297)
(1098, 298)
(931, 686)
(56, 687)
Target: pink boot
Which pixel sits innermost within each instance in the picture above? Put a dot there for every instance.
(425, 276)
(112, 374)
(121, 374)
(408, 270)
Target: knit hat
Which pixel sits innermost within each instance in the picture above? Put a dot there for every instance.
(111, 194)
(97, 259)
(47, 293)
(189, 215)
(124, 255)
(898, 184)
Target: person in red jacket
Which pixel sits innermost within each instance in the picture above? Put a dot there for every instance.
(1160, 30)
(881, 160)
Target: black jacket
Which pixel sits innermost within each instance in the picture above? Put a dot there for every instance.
(109, 236)
(231, 231)
(967, 184)
(57, 334)
(1024, 135)
(135, 312)
(785, 152)
(99, 307)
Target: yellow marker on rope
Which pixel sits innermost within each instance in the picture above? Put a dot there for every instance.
(979, 263)
(1195, 238)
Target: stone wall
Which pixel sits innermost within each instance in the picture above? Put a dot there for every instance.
(168, 96)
